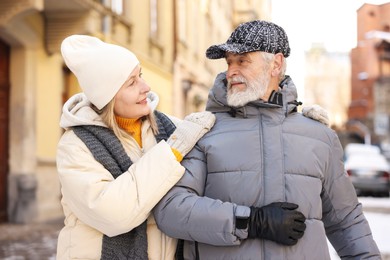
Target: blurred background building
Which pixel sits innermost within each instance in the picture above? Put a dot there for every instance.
(170, 38)
(355, 86)
(370, 74)
(327, 82)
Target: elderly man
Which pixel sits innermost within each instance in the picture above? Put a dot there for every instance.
(265, 182)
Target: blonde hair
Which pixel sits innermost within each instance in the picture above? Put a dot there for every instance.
(108, 116)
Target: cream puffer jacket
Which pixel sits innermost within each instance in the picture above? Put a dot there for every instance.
(95, 203)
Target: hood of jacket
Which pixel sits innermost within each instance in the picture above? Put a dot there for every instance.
(217, 100)
(78, 111)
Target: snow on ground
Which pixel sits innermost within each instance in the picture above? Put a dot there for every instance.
(380, 227)
(379, 223)
(375, 202)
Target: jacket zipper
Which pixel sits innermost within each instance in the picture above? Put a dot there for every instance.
(262, 173)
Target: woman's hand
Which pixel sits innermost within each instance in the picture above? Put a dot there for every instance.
(190, 130)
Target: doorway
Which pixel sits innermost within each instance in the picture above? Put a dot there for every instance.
(4, 125)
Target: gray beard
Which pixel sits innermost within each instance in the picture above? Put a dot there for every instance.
(254, 90)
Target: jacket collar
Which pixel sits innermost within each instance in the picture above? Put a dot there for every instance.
(284, 98)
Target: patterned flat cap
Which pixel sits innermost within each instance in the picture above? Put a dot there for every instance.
(253, 36)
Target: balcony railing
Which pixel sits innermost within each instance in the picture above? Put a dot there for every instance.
(83, 17)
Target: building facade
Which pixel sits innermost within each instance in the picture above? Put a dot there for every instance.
(327, 82)
(169, 37)
(200, 24)
(370, 74)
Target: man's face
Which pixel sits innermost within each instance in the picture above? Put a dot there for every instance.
(248, 78)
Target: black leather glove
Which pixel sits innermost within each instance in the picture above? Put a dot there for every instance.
(278, 221)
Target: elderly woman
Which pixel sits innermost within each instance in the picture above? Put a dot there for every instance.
(118, 156)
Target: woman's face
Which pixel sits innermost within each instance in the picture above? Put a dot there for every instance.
(130, 101)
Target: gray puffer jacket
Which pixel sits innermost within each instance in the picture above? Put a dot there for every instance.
(255, 155)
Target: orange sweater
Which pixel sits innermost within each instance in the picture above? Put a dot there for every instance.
(133, 127)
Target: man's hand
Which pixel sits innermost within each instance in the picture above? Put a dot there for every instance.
(278, 221)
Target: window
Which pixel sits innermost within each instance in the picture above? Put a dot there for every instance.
(116, 6)
(154, 19)
(182, 17)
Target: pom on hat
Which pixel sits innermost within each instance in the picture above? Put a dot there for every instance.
(101, 68)
(253, 36)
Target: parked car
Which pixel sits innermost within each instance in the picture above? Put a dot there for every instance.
(385, 147)
(369, 173)
(357, 148)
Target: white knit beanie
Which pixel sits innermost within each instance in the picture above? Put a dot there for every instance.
(101, 68)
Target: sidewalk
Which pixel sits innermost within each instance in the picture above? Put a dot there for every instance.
(29, 242)
(39, 241)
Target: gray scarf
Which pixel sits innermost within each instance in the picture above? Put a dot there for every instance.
(107, 149)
